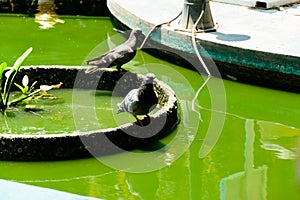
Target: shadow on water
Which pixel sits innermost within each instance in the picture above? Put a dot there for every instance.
(103, 93)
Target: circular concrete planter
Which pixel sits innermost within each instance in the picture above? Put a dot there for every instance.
(93, 143)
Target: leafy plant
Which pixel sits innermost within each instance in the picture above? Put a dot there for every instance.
(2, 69)
(10, 76)
(26, 90)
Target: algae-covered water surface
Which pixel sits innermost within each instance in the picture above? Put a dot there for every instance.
(55, 116)
(233, 141)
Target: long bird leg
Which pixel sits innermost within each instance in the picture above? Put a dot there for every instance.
(138, 120)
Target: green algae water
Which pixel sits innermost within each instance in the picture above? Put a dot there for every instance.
(56, 116)
(64, 44)
(254, 157)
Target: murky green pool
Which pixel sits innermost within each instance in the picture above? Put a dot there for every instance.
(253, 158)
(55, 116)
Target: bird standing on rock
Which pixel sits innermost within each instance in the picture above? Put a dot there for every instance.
(140, 101)
(117, 56)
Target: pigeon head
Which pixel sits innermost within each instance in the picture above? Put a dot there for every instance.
(136, 32)
(135, 37)
(149, 78)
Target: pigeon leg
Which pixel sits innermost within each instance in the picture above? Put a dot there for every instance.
(148, 119)
(138, 120)
(121, 70)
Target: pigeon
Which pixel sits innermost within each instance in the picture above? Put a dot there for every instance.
(117, 56)
(140, 101)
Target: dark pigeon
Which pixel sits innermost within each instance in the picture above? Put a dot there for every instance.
(117, 56)
(140, 101)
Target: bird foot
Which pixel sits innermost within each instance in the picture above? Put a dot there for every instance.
(144, 122)
(122, 71)
(139, 122)
(148, 119)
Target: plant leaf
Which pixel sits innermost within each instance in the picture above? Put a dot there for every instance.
(12, 73)
(19, 86)
(25, 81)
(33, 84)
(2, 68)
(21, 59)
(25, 89)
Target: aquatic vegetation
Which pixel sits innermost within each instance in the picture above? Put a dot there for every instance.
(26, 90)
(10, 76)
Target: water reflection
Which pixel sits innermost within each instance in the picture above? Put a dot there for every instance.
(278, 138)
(280, 151)
(46, 16)
(250, 183)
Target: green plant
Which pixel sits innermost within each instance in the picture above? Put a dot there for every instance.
(27, 92)
(10, 76)
(25, 89)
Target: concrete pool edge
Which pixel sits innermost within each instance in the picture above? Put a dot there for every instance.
(92, 143)
(244, 60)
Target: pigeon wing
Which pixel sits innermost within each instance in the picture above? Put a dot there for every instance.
(104, 60)
(130, 102)
(119, 53)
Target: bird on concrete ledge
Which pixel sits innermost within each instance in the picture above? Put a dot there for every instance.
(117, 56)
(140, 101)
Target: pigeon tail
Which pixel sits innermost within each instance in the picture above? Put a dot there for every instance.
(120, 107)
(91, 70)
